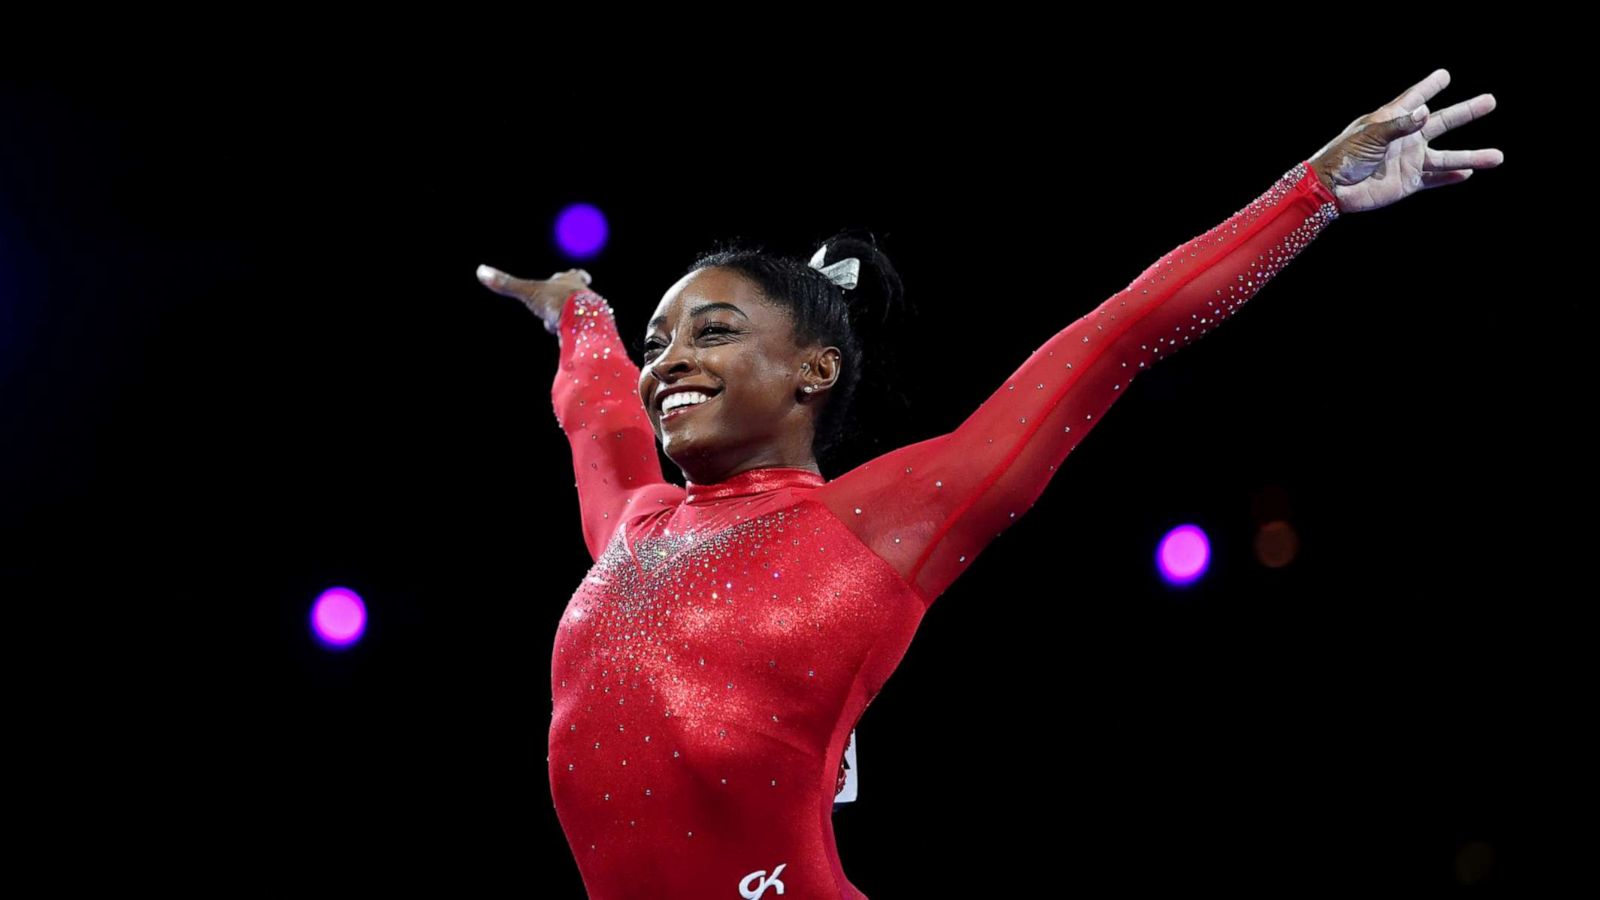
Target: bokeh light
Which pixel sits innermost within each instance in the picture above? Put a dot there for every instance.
(581, 230)
(1183, 555)
(1277, 544)
(338, 618)
(1474, 862)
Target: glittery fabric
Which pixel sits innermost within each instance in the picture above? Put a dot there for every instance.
(710, 668)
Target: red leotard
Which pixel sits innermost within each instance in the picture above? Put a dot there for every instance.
(708, 671)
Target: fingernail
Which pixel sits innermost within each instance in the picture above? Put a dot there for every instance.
(486, 274)
(1420, 114)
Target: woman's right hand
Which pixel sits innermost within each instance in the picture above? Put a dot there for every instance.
(545, 296)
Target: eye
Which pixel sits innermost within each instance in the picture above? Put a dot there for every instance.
(652, 344)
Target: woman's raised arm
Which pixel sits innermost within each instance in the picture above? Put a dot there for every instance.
(931, 507)
(596, 400)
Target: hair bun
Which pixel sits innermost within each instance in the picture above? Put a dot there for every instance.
(877, 283)
(846, 272)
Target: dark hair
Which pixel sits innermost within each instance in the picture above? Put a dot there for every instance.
(825, 314)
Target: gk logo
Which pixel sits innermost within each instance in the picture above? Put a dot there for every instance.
(766, 882)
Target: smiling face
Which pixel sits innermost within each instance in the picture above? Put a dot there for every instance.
(714, 332)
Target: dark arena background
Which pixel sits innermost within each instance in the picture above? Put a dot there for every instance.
(244, 361)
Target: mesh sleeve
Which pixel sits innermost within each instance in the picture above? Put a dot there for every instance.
(931, 507)
(596, 397)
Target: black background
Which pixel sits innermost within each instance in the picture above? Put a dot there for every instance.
(244, 358)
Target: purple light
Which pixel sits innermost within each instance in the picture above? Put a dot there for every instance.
(1183, 554)
(338, 617)
(581, 230)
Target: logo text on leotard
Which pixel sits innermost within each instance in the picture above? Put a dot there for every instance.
(766, 881)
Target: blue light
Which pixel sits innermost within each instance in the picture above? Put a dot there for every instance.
(581, 230)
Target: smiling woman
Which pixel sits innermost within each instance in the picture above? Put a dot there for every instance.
(769, 344)
(709, 671)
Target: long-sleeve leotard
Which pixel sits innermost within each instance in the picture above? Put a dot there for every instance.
(710, 669)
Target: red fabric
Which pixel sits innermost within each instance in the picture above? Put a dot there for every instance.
(708, 671)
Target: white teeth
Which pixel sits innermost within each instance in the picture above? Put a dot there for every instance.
(683, 398)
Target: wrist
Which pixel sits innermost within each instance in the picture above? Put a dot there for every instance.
(551, 306)
(1320, 169)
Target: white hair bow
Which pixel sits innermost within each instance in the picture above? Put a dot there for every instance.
(843, 273)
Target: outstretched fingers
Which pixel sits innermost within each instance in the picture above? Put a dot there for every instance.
(1440, 179)
(523, 288)
(501, 283)
(1445, 160)
(1458, 114)
(1423, 91)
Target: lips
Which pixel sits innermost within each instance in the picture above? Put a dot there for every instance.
(681, 410)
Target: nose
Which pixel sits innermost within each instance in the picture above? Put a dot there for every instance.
(672, 360)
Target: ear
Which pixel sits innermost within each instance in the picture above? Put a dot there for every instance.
(824, 369)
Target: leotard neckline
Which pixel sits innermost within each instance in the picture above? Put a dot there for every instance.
(752, 481)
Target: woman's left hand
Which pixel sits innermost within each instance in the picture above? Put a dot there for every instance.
(1384, 155)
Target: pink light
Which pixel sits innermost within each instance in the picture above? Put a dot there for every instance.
(1183, 555)
(338, 618)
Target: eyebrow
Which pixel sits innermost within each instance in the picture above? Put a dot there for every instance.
(698, 310)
